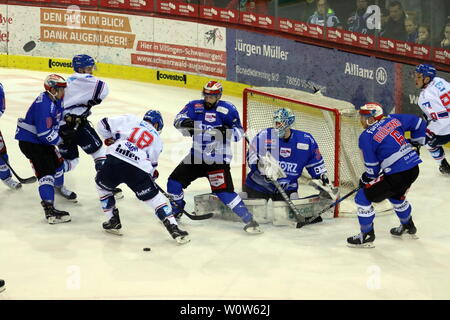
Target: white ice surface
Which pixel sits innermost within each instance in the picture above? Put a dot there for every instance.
(78, 260)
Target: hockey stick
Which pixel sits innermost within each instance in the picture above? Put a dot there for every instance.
(21, 180)
(190, 216)
(338, 201)
(300, 219)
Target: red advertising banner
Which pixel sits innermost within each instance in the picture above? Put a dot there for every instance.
(219, 14)
(217, 70)
(441, 55)
(39, 0)
(143, 5)
(90, 3)
(177, 8)
(350, 38)
(257, 20)
(386, 45)
(300, 28)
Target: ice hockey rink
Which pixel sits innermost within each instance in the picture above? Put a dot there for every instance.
(78, 260)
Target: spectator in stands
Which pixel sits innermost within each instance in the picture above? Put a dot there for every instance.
(254, 6)
(424, 35)
(306, 9)
(357, 22)
(324, 15)
(411, 29)
(395, 25)
(445, 43)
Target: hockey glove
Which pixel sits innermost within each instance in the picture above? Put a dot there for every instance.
(155, 174)
(365, 180)
(187, 126)
(416, 146)
(94, 102)
(109, 141)
(67, 134)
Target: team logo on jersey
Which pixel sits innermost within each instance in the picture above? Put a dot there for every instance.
(285, 152)
(199, 108)
(210, 117)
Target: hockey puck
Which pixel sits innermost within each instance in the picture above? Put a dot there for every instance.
(30, 45)
(146, 249)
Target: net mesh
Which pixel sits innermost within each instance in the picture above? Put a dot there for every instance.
(313, 115)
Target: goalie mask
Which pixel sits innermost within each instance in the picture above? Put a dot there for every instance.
(283, 119)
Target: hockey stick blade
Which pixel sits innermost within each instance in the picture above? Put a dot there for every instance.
(21, 180)
(198, 217)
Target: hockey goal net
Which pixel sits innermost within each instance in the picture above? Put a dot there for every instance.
(333, 123)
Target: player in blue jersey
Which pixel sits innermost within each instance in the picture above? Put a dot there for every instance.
(5, 173)
(212, 124)
(38, 137)
(391, 168)
(292, 151)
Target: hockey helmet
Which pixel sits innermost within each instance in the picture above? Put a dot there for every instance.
(372, 109)
(213, 88)
(154, 116)
(82, 61)
(54, 81)
(427, 70)
(284, 116)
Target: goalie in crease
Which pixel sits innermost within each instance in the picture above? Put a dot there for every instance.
(280, 154)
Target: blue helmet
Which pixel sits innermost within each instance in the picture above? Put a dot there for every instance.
(82, 61)
(286, 117)
(154, 116)
(427, 70)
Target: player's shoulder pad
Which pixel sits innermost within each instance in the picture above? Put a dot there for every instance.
(225, 107)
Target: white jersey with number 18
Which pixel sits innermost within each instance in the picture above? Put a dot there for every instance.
(136, 141)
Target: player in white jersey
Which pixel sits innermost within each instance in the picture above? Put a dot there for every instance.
(134, 146)
(83, 92)
(434, 101)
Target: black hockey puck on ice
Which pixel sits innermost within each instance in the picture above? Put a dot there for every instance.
(146, 249)
(30, 45)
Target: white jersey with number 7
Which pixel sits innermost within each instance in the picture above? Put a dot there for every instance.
(434, 101)
(136, 141)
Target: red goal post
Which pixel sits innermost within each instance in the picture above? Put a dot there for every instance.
(333, 123)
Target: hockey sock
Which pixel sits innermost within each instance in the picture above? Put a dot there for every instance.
(70, 164)
(59, 176)
(99, 158)
(5, 173)
(365, 212)
(107, 200)
(175, 189)
(402, 209)
(162, 210)
(46, 188)
(233, 201)
(437, 153)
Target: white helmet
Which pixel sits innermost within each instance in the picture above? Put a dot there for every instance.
(372, 109)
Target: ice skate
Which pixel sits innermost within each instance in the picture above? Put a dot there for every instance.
(66, 193)
(113, 226)
(408, 229)
(180, 236)
(362, 240)
(252, 227)
(13, 184)
(444, 168)
(53, 215)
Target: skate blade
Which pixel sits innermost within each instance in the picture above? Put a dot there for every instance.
(406, 236)
(114, 232)
(363, 245)
(253, 231)
(56, 221)
(2, 288)
(182, 239)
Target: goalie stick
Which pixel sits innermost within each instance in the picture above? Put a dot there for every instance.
(190, 216)
(21, 180)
